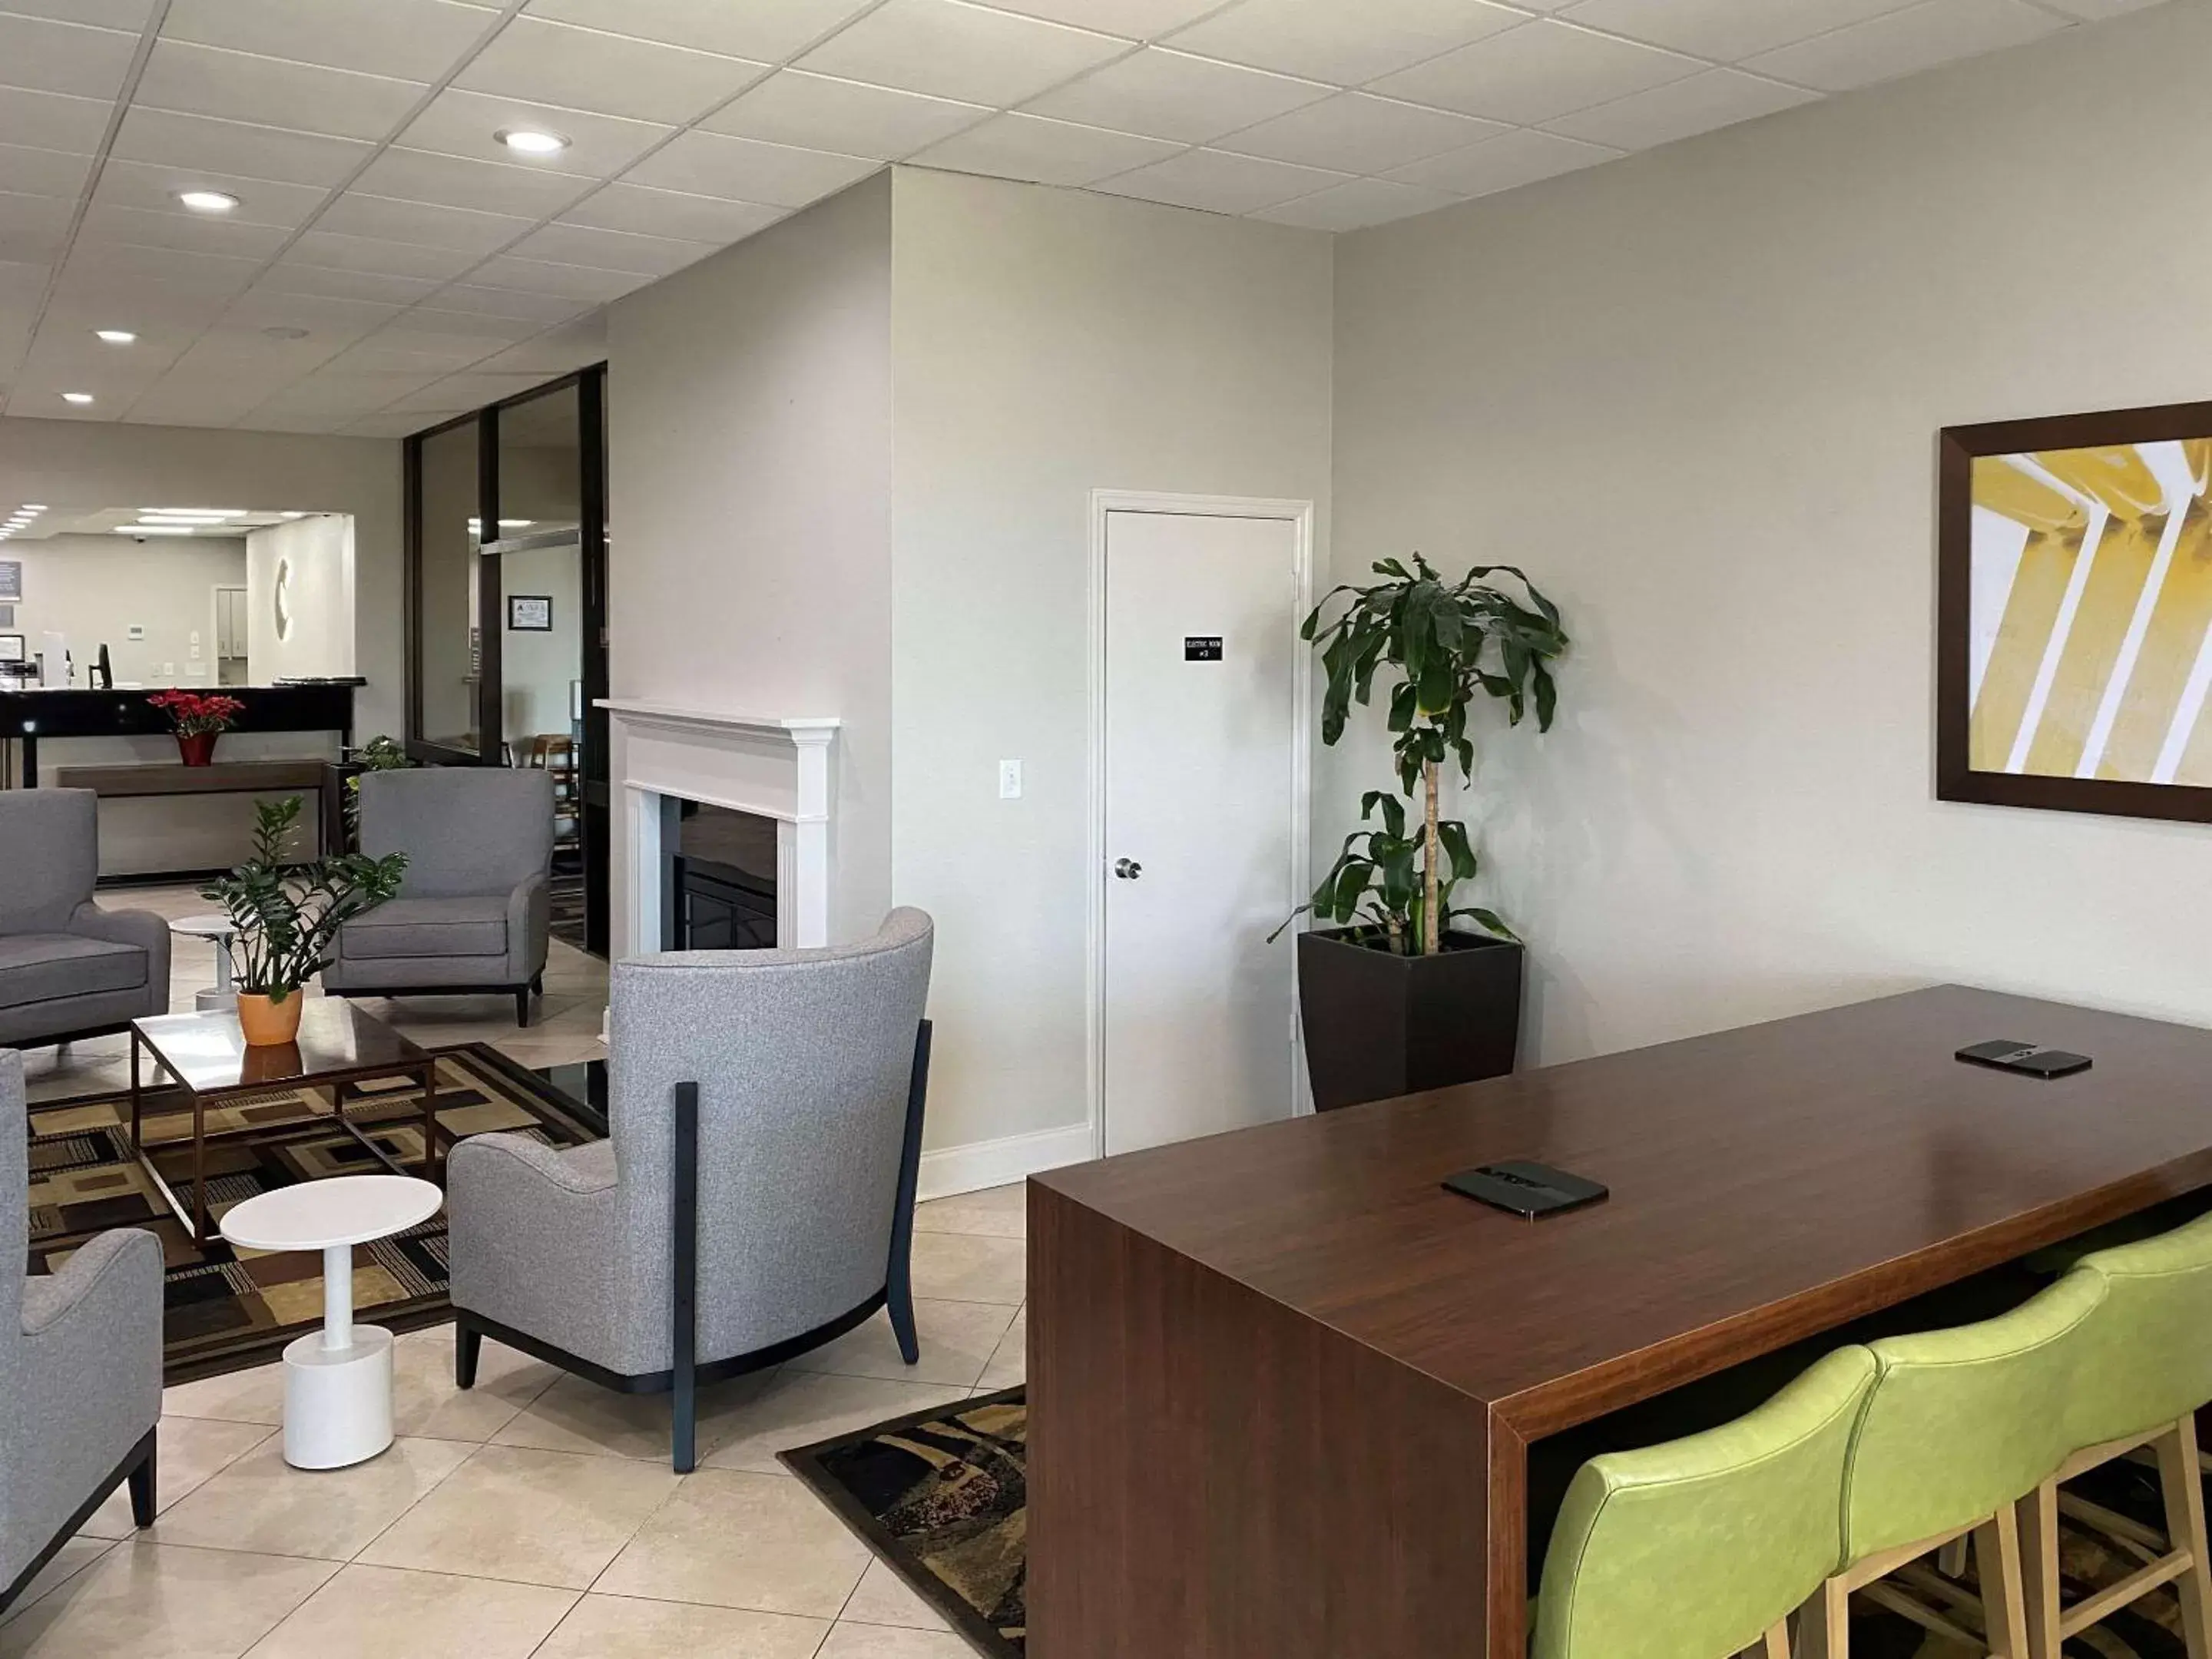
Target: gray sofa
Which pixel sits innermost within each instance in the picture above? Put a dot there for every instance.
(756, 1197)
(80, 1371)
(68, 968)
(475, 909)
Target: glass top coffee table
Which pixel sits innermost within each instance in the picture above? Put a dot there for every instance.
(339, 1048)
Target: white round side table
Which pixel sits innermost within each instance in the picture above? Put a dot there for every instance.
(337, 1381)
(217, 928)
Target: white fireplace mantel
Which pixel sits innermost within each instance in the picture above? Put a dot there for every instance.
(779, 767)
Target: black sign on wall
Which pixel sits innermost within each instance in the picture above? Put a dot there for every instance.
(1201, 648)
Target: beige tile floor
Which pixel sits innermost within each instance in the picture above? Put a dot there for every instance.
(535, 1515)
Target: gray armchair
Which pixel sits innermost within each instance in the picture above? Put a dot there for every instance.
(80, 1371)
(476, 909)
(68, 968)
(756, 1197)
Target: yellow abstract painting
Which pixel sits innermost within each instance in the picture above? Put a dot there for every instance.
(2090, 630)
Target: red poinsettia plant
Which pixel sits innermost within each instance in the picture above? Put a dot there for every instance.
(198, 714)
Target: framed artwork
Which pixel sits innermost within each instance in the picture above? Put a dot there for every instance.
(530, 613)
(2074, 613)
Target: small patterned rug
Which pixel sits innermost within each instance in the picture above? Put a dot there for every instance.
(228, 1308)
(942, 1497)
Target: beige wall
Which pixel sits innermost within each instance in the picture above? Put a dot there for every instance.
(750, 497)
(319, 598)
(95, 589)
(1049, 343)
(1697, 394)
(91, 464)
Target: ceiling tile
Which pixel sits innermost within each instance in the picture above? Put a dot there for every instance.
(33, 229)
(43, 172)
(253, 355)
(1134, 20)
(1219, 182)
(1044, 152)
(332, 390)
(338, 320)
(1719, 98)
(22, 281)
(420, 175)
(1157, 94)
(1533, 73)
(187, 398)
(357, 214)
(1346, 43)
(555, 351)
(194, 233)
(1357, 132)
(124, 262)
(951, 50)
(464, 123)
(605, 74)
(671, 213)
(1918, 37)
(400, 350)
(767, 31)
(471, 391)
(1503, 163)
(52, 120)
(507, 302)
(430, 319)
(708, 164)
(819, 112)
(1354, 206)
(332, 283)
(413, 40)
(611, 250)
(45, 55)
(336, 252)
(1725, 29)
(236, 148)
(97, 299)
(211, 81)
(2095, 10)
(568, 282)
(154, 187)
(106, 14)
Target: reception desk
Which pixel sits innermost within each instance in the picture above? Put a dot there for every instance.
(1284, 1387)
(157, 816)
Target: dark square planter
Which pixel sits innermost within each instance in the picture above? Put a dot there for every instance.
(1378, 1025)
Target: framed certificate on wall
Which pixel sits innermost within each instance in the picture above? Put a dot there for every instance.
(530, 613)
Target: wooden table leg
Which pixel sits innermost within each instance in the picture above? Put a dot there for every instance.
(137, 1099)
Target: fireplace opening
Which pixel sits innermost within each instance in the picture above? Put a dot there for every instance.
(722, 888)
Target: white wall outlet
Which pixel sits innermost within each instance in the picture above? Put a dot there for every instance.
(135, 631)
(1010, 779)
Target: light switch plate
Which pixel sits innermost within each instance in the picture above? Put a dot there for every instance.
(1010, 779)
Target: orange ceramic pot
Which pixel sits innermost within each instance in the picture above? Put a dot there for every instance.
(270, 1025)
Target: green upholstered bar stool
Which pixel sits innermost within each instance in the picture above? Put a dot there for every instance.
(1702, 1547)
(2146, 1367)
(1959, 1426)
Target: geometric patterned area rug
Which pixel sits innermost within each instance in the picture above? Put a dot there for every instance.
(941, 1496)
(226, 1308)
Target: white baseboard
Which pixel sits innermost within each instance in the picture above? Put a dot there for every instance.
(951, 1171)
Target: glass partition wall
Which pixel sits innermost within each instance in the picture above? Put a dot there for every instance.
(507, 613)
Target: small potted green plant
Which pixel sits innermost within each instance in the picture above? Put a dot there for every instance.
(197, 717)
(1393, 998)
(287, 916)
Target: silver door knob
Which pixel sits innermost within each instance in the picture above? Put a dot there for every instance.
(1127, 869)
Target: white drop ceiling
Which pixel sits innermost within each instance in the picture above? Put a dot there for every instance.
(391, 264)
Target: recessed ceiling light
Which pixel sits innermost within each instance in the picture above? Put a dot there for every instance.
(282, 331)
(34, 506)
(115, 336)
(208, 201)
(77, 396)
(291, 515)
(531, 141)
(196, 515)
(153, 530)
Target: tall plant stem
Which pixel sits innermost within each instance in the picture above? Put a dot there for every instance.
(1433, 932)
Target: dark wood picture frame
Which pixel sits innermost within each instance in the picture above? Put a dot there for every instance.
(1957, 448)
(516, 612)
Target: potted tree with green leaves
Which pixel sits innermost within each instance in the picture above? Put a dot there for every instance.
(286, 918)
(1393, 996)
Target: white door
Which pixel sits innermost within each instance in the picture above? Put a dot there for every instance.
(1202, 734)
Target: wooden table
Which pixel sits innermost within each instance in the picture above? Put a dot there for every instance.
(209, 1058)
(1283, 1387)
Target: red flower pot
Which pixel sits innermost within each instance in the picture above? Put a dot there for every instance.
(198, 748)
